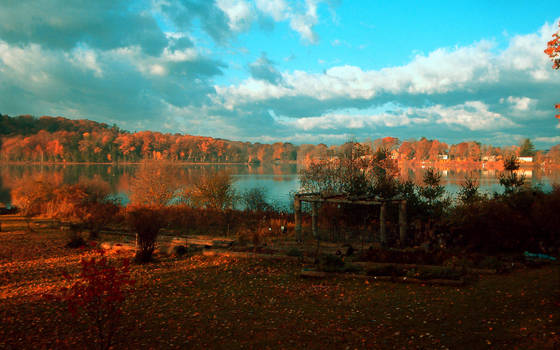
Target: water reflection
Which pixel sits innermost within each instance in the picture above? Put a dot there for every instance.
(278, 180)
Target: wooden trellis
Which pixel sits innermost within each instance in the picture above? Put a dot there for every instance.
(316, 198)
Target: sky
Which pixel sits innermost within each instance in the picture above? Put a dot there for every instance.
(300, 71)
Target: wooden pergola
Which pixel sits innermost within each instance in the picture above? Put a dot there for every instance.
(316, 198)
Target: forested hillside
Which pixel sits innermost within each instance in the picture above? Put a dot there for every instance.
(57, 139)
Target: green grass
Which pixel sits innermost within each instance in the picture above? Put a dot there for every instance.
(231, 303)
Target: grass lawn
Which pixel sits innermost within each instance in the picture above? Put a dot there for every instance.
(230, 303)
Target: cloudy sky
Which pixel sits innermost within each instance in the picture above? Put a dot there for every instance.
(304, 71)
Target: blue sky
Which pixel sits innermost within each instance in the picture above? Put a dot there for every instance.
(303, 71)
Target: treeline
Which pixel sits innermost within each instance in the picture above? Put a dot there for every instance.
(57, 139)
(25, 138)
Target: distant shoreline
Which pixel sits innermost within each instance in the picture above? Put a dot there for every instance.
(141, 162)
(412, 163)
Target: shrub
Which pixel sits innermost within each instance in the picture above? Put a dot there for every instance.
(32, 196)
(294, 252)
(524, 220)
(180, 250)
(254, 199)
(100, 215)
(98, 297)
(146, 222)
(331, 263)
(75, 239)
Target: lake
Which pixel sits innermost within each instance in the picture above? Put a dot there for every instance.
(278, 180)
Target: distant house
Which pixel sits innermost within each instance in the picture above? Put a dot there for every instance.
(489, 158)
(525, 159)
(443, 156)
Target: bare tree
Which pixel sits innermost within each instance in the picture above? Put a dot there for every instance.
(214, 191)
(155, 184)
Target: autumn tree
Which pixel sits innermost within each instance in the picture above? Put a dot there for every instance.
(101, 209)
(355, 171)
(553, 51)
(153, 189)
(154, 185)
(32, 196)
(214, 191)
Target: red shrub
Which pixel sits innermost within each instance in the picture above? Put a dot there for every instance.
(98, 296)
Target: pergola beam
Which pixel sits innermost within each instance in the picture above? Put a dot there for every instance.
(316, 198)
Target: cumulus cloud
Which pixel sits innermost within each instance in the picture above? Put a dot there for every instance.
(473, 89)
(519, 103)
(156, 65)
(439, 72)
(103, 24)
(263, 69)
(472, 115)
(302, 19)
(239, 13)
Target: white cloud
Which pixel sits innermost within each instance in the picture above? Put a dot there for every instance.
(520, 104)
(157, 69)
(87, 58)
(548, 140)
(472, 115)
(525, 54)
(439, 72)
(277, 9)
(301, 21)
(239, 13)
(471, 89)
(168, 79)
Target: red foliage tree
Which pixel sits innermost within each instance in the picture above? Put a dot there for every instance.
(98, 296)
(553, 51)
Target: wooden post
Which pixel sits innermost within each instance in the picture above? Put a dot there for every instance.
(402, 223)
(297, 218)
(382, 227)
(314, 229)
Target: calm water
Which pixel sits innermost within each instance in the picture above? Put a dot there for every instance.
(278, 180)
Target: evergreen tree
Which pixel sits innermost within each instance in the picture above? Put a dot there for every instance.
(527, 149)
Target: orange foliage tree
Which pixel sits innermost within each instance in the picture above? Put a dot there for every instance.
(553, 51)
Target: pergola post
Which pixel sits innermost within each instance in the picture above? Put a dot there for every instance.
(402, 223)
(382, 226)
(297, 218)
(314, 213)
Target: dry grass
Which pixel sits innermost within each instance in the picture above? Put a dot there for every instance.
(226, 302)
